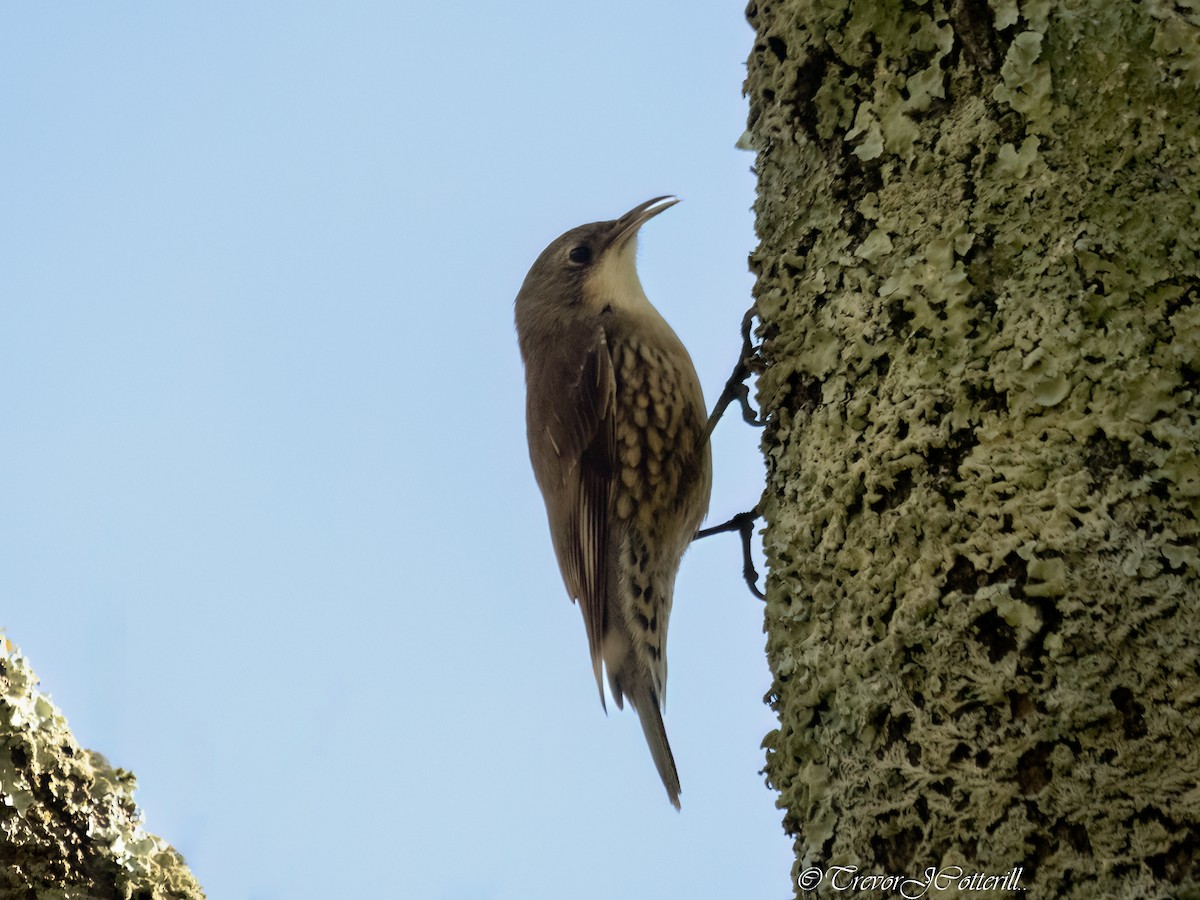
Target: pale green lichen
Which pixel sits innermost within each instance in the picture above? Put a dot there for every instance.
(877, 244)
(69, 826)
(979, 285)
(1005, 12)
(1177, 37)
(1025, 80)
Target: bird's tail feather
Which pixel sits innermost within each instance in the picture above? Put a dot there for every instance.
(646, 705)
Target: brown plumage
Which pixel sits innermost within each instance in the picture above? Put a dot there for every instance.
(615, 415)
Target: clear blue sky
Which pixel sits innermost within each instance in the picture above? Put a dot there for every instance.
(269, 532)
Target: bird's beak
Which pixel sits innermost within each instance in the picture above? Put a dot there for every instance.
(627, 226)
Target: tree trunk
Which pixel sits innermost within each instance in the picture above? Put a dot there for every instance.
(977, 285)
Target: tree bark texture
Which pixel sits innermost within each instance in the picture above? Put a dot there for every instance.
(978, 276)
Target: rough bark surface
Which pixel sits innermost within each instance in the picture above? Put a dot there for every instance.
(69, 829)
(979, 292)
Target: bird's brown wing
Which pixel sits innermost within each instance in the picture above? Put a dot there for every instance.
(573, 447)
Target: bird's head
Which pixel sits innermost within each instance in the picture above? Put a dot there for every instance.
(587, 268)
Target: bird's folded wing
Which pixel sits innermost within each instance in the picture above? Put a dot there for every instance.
(575, 461)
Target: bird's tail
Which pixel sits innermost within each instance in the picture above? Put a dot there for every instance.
(646, 705)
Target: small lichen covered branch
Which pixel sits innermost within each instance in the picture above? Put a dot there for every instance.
(69, 827)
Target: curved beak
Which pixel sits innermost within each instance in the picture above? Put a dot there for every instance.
(627, 226)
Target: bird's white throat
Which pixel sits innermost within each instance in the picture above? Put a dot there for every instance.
(614, 280)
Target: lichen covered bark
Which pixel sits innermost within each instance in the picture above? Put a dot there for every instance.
(979, 292)
(69, 828)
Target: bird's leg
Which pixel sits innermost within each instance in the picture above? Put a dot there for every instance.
(736, 387)
(743, 524)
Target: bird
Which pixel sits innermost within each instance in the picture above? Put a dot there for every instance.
(615, 419)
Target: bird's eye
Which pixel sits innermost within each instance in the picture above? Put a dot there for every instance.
(581, 254)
